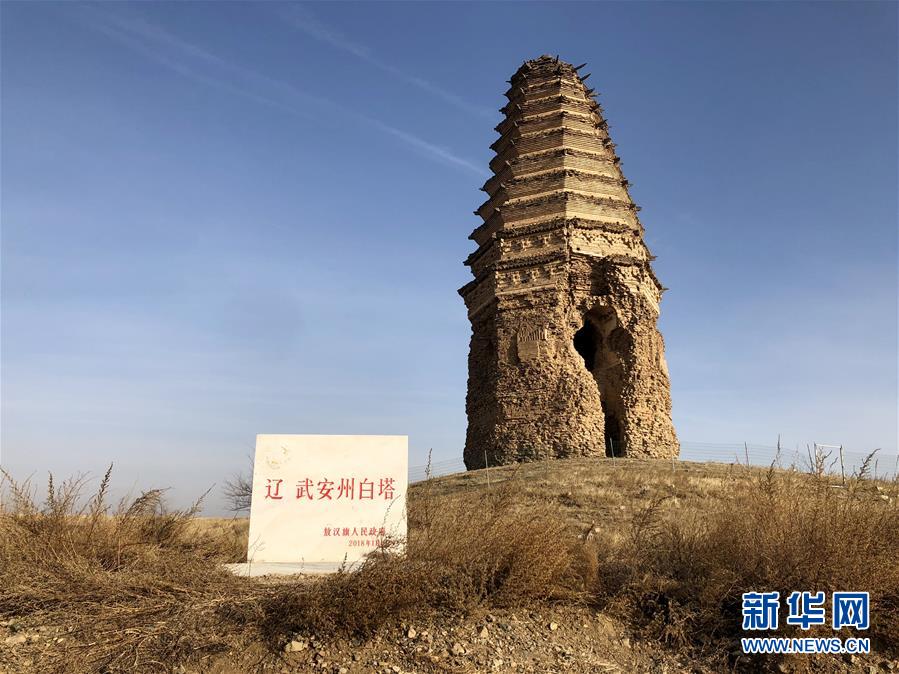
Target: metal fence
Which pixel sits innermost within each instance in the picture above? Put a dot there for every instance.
(831, 458)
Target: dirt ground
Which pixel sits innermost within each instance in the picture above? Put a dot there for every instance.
(549, 639)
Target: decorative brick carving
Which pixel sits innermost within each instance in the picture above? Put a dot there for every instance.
(532, 343)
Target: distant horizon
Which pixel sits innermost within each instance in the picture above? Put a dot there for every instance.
(240, 219)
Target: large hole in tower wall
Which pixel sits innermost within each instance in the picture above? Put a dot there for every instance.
(601, 344)
(585, 344)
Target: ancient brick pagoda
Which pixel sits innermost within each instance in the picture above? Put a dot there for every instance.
(565, 359)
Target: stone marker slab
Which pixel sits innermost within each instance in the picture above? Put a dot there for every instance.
(322, 500)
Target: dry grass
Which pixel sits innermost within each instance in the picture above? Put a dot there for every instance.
(669, 549)
(462, 552)
(679, 577)
(128, 581)
(140, 587)
(226, 537)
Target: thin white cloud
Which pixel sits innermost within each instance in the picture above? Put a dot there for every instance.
(302, 19)
(428, 148)
(193, 61)
(128, 39)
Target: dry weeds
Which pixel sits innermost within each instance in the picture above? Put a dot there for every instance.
(679, 575)
(668, 548)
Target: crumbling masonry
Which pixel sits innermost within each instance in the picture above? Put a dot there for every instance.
(565, 359)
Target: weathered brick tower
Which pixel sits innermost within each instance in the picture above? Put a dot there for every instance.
(565, 359)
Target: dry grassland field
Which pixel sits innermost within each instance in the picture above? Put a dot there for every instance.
(562, 244)
(613, 565)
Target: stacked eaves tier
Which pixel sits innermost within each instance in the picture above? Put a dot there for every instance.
(557, 188)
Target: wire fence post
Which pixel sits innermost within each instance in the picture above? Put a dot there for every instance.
(842, 467)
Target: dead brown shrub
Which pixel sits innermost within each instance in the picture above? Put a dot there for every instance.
(483, 546)
(126, 585)
(140, 585)
(679, 576)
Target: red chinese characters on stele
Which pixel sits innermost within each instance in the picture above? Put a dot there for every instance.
(344, 489)
(304, 484)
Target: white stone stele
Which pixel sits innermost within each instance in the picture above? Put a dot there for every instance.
(293, 533)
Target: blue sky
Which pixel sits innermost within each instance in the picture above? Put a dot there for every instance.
(223, 219)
